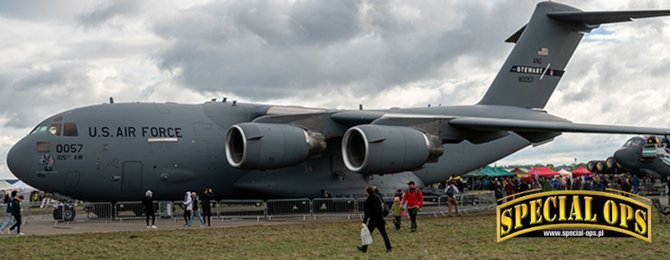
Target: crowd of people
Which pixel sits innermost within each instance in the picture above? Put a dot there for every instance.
(507, 186)
(194, 207)
(405, 202)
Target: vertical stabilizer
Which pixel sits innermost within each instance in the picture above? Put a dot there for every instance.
(543, 48)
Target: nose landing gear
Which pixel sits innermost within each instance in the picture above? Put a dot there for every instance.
(64, 213)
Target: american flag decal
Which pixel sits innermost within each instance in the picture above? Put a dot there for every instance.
(543, 51)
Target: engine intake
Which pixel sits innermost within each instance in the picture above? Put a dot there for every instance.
(379, 149)
(270, 146)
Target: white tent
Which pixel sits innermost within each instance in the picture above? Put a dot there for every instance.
(565, 173)
(5, 186)
(23, 188)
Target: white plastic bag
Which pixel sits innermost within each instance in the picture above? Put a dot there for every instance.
(366, 238)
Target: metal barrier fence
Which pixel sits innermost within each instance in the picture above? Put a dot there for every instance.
(129, 210)
(334, 207)
(289, 208)
(99, 211)
(242, 209)
(64, 213)
(431, 206)
(468, 203)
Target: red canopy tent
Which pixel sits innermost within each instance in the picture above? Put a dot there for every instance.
(581, 171)
(542, 172)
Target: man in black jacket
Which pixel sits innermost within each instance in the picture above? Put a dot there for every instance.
(149, 210)
(374, 213)
(207, 197)
(16, 212)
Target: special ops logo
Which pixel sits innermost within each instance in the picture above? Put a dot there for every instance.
(574, 213)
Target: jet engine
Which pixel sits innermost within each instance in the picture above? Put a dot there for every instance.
(591, 166)
(379, 149)
(270, 146)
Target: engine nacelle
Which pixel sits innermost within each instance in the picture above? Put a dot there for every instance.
(591, 166)
(380, 149)
(270, 146)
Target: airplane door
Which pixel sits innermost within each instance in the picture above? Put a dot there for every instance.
(131, 179)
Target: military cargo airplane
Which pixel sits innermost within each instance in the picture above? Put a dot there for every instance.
(650, 157)
(116, 151)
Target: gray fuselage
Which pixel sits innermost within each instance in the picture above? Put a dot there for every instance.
(121, 150)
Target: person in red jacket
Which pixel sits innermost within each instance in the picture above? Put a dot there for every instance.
(413, 200)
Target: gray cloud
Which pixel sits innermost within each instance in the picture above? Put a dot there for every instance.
(26, 93)
(367, 46)
(108, 10)
(380, 53)
(36, 10)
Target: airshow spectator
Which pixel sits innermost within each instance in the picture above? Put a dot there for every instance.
(396, 211)
(555, 184)
(498, 191)
(188, 208)
(459, 184)
(149, 210)
(413, 199)
(16, 212)
(635, 184)
(196, 210)
(10, 218)
(207, 197)
(485, 183)
(509, 188)
(374, 213)
(398, 193)
(452, 192)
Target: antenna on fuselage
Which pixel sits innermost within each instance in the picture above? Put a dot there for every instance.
(111, 100)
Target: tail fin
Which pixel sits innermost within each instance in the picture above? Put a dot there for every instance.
(543, 48)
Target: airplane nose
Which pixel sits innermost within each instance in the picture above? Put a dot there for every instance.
(625, 157)
(17, 160)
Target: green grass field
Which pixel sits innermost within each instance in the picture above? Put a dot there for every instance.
(438, 238)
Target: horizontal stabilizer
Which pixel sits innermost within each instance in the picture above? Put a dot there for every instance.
(515, 37)
(595, 18)
(516, 125)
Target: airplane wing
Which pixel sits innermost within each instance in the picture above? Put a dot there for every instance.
(516, 125)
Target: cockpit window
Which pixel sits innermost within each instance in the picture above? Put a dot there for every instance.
(635, 141)
(69, 129)
(55, 128)
(39, 129)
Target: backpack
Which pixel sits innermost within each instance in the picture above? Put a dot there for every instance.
(9, 207)
(450, 191)
(385, 208)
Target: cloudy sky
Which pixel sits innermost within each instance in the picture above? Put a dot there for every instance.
(58, 55)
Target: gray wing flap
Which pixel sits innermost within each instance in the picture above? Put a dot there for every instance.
(356, 117)
(595, 18)
(489, 124)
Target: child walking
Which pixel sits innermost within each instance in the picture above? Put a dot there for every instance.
(396, 210)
